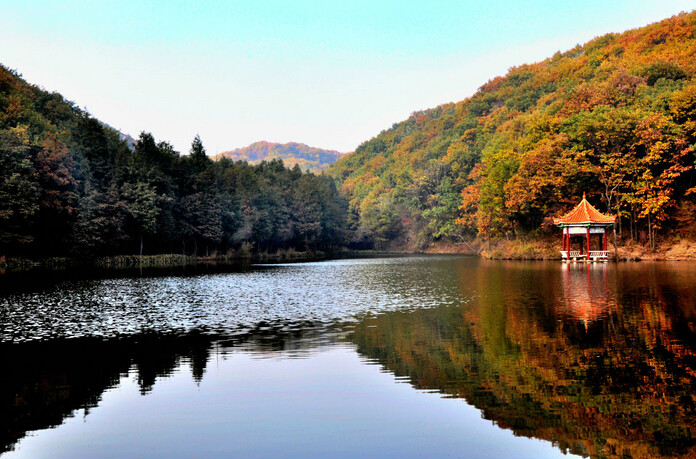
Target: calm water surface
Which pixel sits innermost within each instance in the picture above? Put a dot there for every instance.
(394, 357)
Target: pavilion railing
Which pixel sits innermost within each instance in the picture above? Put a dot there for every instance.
(571, 254)
(576, 255)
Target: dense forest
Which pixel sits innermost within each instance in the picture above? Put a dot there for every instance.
(70, 185)
(615, 118)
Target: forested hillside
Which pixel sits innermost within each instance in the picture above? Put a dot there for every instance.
(308, 158)
(69, 185)
(615, 118)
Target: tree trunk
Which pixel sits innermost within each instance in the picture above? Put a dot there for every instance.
(635, 226)
(618, 218)
(141, 245)
(616, 249)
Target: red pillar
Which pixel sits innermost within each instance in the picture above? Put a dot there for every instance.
(564, 238)
(605, 240)
(567, 236)
(588, 241)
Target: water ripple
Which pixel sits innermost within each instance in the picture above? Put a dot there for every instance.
(323, 292)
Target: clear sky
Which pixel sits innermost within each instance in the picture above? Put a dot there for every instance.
(327, 73)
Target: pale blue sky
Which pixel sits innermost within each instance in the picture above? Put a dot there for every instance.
(326, 73)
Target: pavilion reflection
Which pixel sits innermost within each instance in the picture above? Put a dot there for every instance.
(586, 296)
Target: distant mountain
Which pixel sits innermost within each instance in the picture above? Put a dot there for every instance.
(309, 158)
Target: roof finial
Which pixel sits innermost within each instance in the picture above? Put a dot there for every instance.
(583, 195)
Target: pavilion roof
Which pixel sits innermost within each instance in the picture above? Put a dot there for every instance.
(584, 213)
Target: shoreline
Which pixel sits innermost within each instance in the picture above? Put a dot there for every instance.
(546, 249)
(126, 262)
(504, 249)
(149, 261)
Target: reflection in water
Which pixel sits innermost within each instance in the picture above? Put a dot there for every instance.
(585, 294)
(599, 359)
(49, 381)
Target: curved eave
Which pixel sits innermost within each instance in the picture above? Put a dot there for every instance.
(587, 223)
(584, 214)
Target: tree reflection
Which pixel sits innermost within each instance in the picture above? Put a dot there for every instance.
(601, 362)
(49, 381)
(46, 382)
(598, 359)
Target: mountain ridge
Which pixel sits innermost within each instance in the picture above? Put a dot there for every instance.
(308, 158)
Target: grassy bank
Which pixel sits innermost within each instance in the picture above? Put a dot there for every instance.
(159, 261)
(502, 249)
(526, 248)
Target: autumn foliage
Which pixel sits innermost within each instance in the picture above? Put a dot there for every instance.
(615, 118)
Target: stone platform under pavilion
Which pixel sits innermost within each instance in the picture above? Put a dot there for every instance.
(580, 226)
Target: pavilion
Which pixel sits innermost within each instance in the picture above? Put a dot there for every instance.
(583, 222)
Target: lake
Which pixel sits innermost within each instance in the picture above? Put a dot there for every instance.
(401, 357)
